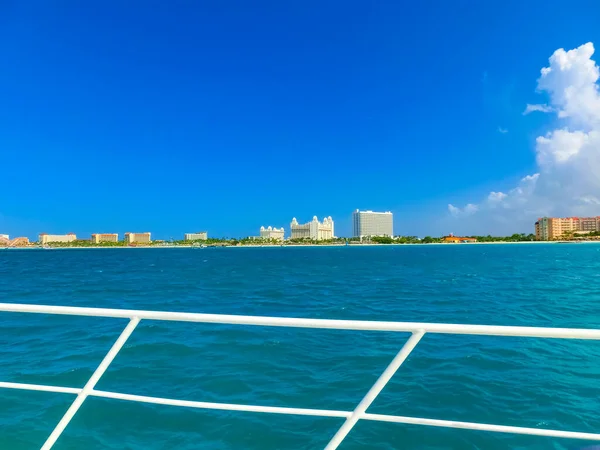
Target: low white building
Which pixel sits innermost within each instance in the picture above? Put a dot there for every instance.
(315, 230)
(200, 236)
(4, 236)
(63, 238)
(272, 233)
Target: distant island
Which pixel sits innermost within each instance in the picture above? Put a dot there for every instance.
(368, 228)
(258, 242)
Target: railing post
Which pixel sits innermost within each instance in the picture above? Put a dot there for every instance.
(89, 386)
(383, 379)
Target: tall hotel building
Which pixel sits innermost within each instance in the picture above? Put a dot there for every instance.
(550, 228)
(369, 223)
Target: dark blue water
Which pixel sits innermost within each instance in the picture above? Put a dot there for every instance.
(509, 381)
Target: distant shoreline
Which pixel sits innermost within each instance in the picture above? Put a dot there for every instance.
(462, 244)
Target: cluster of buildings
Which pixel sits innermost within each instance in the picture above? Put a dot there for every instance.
(364, 224)
(96, 238)
(314, 230)
(552, 228)
(6, 241)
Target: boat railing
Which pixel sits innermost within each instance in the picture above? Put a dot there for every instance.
(417, 330)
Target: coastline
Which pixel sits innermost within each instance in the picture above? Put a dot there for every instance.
(303, 245)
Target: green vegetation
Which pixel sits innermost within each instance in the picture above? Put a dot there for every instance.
(412, 240)
(572, 236)
(592, 233)
(382, 240)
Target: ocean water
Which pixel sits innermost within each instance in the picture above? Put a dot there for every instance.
(503, 380)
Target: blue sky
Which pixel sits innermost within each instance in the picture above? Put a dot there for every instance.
(179, 116)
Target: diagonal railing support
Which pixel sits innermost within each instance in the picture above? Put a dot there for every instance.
(89, 386)
(383, 379)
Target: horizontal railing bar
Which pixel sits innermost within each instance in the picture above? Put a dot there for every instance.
(482, 427)
(310, 412)
(409, 327)
(39, 387)
(221, 406)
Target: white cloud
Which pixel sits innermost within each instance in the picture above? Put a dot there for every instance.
(558, 146)
(468, 210)
(571, 82)
(568, 157)
(541, 108)
(496, 197)
(530, 178)
(502, 130)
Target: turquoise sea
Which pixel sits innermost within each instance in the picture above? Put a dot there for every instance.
(509, 381)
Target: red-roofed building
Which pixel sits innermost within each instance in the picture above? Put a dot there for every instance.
(451, 239)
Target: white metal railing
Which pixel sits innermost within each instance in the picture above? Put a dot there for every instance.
(418, 330)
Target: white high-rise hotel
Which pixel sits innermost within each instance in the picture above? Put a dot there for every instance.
(369, 223)
(315, 230)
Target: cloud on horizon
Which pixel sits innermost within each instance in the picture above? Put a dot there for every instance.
(567, 180)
